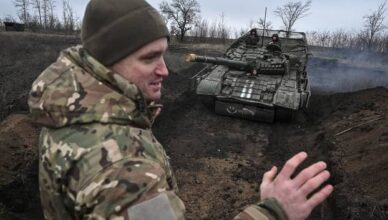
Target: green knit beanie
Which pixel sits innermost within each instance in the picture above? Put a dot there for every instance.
(113, 29)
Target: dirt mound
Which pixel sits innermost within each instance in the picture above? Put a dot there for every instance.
(18, 142)
(355, 133)
(18, 168)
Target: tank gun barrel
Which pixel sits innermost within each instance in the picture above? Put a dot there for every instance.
(218, 61)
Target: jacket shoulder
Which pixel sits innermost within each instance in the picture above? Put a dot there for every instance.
(52, 73)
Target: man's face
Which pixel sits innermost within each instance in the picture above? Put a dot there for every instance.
(145, 68)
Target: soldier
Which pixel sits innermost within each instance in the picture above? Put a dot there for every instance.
(252, 38)
(98, 156)
(275, 39)
(275, 44)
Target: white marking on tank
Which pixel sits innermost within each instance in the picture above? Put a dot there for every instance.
(234, 81)
(250, 90)
(244, 90)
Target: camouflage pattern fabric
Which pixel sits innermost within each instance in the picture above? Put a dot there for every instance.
(98, 156)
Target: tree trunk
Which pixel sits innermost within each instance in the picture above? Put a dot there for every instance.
(182, 35)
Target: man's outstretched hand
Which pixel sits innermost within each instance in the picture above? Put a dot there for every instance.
(292, 193)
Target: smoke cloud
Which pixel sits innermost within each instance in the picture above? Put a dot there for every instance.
(333, 71)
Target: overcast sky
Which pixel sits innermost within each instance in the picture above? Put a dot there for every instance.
(324, 14)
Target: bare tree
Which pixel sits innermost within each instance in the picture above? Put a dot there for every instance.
(213, 29)
(343, 39)
(203, 28)
(200, 29)
(291, 12)
(69, 19)
(223, 32)
(324, 38)
(374, 23)
(236, 33)
(45, 17)
(182, 14)
(267, 25)
(340, 39)
(251, 24)
(37, 4)
(46, 12)
(9, 18)
(23, 10)
(384, 44)
(242, 32)
(50, 19)
(216, 30)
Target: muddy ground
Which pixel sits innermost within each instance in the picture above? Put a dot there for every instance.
(218, 160)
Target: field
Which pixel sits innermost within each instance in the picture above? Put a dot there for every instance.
(218, 160)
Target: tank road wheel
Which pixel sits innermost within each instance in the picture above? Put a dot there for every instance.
(284, 115)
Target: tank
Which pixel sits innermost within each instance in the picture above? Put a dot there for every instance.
(261, 76)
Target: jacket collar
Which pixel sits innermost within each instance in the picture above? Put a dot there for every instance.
(145, 111)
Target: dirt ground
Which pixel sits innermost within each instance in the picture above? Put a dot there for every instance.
(218, 160)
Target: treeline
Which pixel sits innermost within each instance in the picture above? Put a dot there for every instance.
(344, 39)
(205, 30)
(41, 15)
(183, 18)
(218, 31)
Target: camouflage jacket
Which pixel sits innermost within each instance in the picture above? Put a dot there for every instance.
(98, 158)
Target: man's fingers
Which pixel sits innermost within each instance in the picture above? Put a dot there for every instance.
(309, 173)
(320, 196)
(291, 165)
(269, 175)
(313, 183)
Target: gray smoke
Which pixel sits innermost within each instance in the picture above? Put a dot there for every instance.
(335, 70)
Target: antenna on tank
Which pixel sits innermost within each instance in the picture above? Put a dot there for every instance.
(265, 22)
